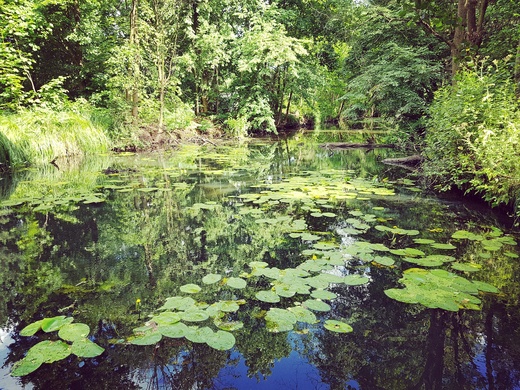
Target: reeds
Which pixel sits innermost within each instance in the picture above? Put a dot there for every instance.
(32, 137)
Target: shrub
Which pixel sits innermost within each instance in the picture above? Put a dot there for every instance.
(473, 138)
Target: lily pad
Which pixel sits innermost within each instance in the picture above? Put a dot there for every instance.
(384, 260)
(50, 351)
(438, 245)
(211, 278)
(190, 288)
(178, 303)
(26, 366)
(337, 326)
(31, 329)
(463, 234)
(194, 315)
(323, 294)
(237, 283)
(221, 340)
(355, 280)
(199, 335)
(85, 348)
(175, 331)
(73, 332)
(267, 296)
(316, 305)
(55, 323)
(149, 338)
(303, 315)
(166, 318)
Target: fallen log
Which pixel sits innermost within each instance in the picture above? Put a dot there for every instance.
(349, 145)
(416, 159)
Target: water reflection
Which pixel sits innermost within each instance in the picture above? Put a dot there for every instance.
(66, 253)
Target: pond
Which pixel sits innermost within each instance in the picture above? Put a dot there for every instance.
(263, 265)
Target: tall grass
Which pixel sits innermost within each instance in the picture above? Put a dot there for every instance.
(32, 137)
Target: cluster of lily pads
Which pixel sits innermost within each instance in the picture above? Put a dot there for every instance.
(179, 314)
(73, 341)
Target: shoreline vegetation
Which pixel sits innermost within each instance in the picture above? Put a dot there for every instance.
(88, 77)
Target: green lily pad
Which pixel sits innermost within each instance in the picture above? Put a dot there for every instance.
(178, 303)
(316, 305)
(228, 325)
(49, 351)
(211, 278)
(174, 331)
(194, 315)
(337, 326)
(303, 315)
(237, 283)
(31, 329)
(55, 323)
(355, 280)
(149, 338)
(485, 287)
(384, 260)
(199, 335)
(221, 340)
(85, 348)
(463, 234)
(423, 241)
(443, 246)
(166, 318)
(73, 332)
(190, 288)
(323, 294)
(267, 296)
(26, 366)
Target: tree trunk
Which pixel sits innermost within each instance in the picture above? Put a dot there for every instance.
(134, 44)
(517, 70)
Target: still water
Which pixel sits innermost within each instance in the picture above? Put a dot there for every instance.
(329, 269)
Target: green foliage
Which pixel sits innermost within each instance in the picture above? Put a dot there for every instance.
(41, 135)
(474, 135)
(48, 351)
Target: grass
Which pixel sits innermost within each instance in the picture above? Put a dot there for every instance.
(33, 137)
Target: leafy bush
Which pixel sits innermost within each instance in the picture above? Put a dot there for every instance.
(473, 140)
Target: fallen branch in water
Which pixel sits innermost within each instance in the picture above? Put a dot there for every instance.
(348, 145)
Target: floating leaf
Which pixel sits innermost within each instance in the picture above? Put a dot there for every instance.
(166, 318)
(55, 323)
(384, 260)
(85, 348)
(178, 303)
(194, 315)
(485, 287)
(31, 329)
(73, 332)
(199, 335)
(463, 234)
(316, 305)
(323, 294)
(303, 315)
(175, 331)
(267, 296)
(355, 280)
(423, 241)
(228, 325)
(26, 366)
(337, 326)
(443, 246)
(190, 288)
(237, 283)
(211, 278)
(221, 340)
(149, 338)
(49, 351)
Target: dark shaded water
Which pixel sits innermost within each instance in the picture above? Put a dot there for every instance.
(89, 242)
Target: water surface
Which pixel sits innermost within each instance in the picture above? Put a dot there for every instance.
(87, 242)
